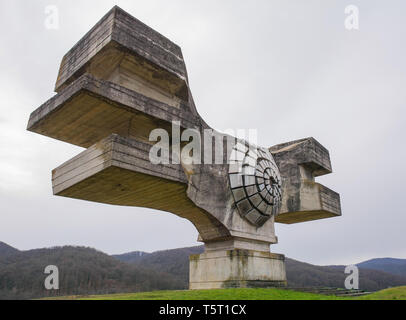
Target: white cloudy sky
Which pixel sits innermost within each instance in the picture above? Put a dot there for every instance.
(287, 68)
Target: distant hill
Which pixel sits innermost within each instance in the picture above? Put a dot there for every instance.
(130, 257)
(302, 274)
(85, 271)
(82, 271)
(6, 250)
(174, 262)
(299, 274)
(389, 265)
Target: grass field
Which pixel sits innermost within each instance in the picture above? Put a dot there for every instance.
(398, 293)
(241, 294)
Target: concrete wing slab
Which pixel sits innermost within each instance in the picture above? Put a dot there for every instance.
(117, 171)
(90, 109)
(118, 36)
(300, 162)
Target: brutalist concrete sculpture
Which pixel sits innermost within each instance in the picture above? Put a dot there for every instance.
(122, 81)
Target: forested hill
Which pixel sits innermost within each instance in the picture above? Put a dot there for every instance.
(174, 262)
(84, 271)
(302, 274)
(6, 250)
(390, 265)
(299, 274)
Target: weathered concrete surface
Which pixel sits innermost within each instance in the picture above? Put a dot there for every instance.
(237, 269)
(117, 171)
(89, 110)
(305, 200)
(107, 44)
(209, 188)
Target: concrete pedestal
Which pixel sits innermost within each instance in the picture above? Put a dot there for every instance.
(237, 269)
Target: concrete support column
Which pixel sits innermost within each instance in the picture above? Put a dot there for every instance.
(237, 269)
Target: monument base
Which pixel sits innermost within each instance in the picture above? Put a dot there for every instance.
(237, 269)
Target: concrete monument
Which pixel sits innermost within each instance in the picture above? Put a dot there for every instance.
(121, 82)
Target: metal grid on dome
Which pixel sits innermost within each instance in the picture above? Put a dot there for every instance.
(255, 183)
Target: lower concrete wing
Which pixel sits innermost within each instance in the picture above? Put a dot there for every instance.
(118, 171)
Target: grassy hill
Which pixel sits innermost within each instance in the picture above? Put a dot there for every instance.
(398, 293)
(226, 294)
(242, 294)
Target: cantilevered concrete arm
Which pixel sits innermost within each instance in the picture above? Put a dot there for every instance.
(304, 200)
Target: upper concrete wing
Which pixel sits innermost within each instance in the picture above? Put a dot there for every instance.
(120, 40)
(89, 110)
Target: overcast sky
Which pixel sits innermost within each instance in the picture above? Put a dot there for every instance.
(287, 68)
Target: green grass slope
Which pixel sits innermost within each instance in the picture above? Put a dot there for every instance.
(398, 293)
(223, 294)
